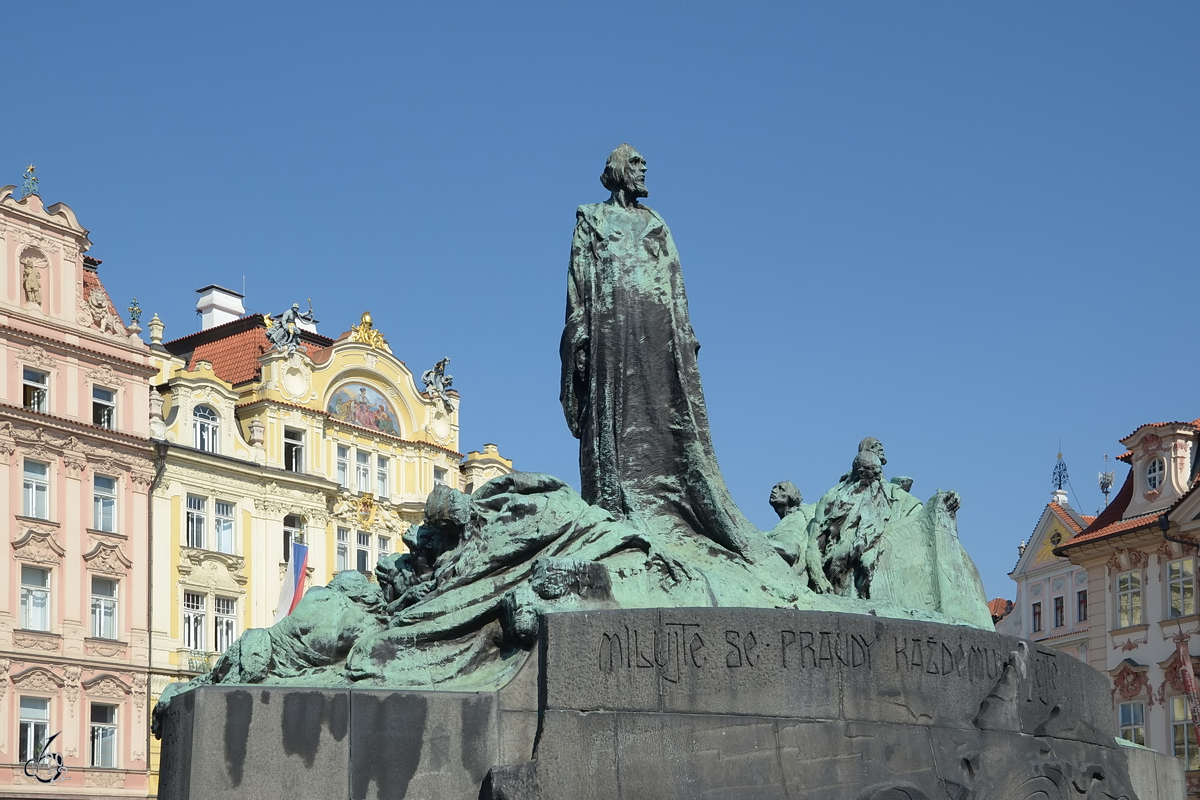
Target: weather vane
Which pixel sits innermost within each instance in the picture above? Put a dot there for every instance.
(1060, 474)
(1107, 479)
(31, 183)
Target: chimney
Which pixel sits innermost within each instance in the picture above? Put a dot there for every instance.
(1059, 496)
(218, 305)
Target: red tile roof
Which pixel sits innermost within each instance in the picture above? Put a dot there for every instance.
(1000, 608)
(1110, 521)
(1195, 423)
(1068, 518)
(234, 348)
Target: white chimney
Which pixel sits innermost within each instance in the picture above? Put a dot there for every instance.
(1059, 496)
(218, 305)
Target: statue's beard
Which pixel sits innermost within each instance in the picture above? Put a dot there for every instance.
(637, 189)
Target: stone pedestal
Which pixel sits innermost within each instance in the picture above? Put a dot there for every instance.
(688, 703)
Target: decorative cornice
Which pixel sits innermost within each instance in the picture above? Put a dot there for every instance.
(191, 558)
(106, 685)
(11, 333)
(38, 679)
(132, 446)
(38, 546)
(107, 558)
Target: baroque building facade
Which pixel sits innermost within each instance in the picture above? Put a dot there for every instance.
(1052, 606)
(76, 468)
(1140, 554)
(268, 433)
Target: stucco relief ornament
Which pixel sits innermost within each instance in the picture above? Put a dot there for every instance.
(38, 357)
(1114, 561)
(1138, 559)
(72, 673)
(107, 558)
(104, 374)
(1129, 683)
(366, 333)
(37, 679)
(38, 547)
(4, 665)
(1151, 444)
(106, 686)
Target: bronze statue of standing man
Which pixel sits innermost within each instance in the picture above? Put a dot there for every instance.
(630, 381)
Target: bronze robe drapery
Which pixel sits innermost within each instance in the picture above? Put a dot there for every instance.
(631, 385)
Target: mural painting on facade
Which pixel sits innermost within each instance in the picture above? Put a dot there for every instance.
(364, 406)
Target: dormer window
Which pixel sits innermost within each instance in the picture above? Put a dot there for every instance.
(1155, 472)
(204, 428)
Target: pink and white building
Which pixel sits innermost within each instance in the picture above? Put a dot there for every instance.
(75, 471)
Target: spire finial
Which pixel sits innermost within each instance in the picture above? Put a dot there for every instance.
(1060, 473)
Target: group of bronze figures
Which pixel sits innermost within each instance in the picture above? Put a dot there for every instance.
(654, 525)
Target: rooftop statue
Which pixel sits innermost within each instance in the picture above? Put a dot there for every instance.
(655, 526)
(437, 381)
(284, 333)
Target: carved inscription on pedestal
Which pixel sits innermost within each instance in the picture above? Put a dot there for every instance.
(785, 663)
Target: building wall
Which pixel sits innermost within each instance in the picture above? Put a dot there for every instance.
(309, 394)
(72, 336)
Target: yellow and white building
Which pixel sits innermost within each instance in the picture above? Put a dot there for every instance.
(333, 445)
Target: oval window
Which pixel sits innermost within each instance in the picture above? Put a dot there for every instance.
(1155, 473)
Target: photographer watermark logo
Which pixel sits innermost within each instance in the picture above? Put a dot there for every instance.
(47, 767)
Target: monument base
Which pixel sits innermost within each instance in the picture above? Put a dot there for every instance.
(688, 703)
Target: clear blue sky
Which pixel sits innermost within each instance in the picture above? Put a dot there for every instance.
(967, 229)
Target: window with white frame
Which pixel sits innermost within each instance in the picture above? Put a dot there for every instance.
(382, 474)
(343, 549)
(104, 736)
(439, 476)
(364, 552)
(35, 598)
(197, 520)
(35, 722)
(1129, 598)
(1155, 471)
(1181, 588)
(35, 490)
(35, 390)
(1183, 734)
(1133, 722)
(362, 471)
(293, 450)
(223, 526)
(226, 622)
(204, 429)
(343, 466)
(104, 503)
(383, 546)
(104, 608)
(1081, 614)
(1036, 613)
(1060, 612)
(293, 531)
(194, 608)
(104, 407)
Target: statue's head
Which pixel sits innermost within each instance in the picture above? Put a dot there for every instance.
(873, 445)
(867, 467)
(625, 170)
(295, 306)
(785, 498)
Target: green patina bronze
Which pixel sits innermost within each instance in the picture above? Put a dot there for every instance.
(655, 526)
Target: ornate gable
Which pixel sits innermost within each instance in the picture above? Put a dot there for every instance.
(38, 546)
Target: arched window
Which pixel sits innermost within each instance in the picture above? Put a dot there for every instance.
(1154, 473)
(204, 427)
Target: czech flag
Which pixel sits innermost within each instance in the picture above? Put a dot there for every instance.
(293, 582)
